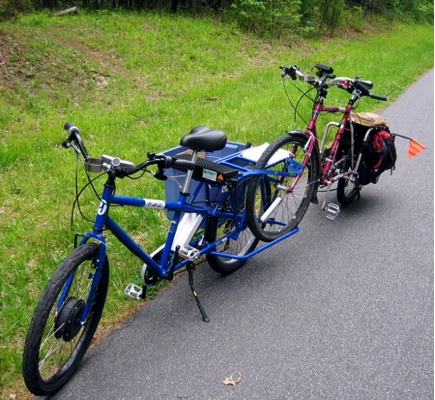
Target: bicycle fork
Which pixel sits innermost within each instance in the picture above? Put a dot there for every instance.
(94, 278)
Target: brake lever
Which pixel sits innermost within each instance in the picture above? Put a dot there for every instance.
(67, 145)
(290, 71)
(160, 175)
(161, 161)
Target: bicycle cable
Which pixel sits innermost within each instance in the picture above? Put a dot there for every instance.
(139, 176)
(90, 183)
(295, 107)
(80, 192)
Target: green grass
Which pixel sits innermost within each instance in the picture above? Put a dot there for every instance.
(136, 83)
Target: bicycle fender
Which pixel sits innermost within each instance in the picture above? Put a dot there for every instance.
(296, 132)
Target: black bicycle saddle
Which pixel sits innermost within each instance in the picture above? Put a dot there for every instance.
(203, 138)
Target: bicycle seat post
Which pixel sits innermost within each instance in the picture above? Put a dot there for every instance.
(185, 188)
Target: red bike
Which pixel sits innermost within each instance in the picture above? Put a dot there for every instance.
(361, 150)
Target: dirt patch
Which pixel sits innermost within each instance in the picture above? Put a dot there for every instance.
(4, 52)
(6, 49)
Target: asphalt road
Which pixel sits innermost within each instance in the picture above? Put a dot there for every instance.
(342, 310)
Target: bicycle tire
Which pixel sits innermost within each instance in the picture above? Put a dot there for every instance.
(347, 190)
(287, 212)
(55, 343)
(244, 244)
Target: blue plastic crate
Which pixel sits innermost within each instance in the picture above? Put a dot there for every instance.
(234, 155)
(172, 187)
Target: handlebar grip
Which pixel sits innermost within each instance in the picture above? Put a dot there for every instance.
(71, 128)
(74, 136)
(68, 126)
(378, 97)
(183, 164)
(164, 161)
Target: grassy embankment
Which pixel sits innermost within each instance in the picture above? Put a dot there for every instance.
(137, 83)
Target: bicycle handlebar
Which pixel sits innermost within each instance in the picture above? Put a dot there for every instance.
(326, 79)
(74, 137)
(378, 97)
(120, 167)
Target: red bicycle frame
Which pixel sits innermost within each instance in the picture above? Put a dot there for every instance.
(311, 131)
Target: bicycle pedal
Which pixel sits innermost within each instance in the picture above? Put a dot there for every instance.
(332, 211)
(133, 291)
(188, 252)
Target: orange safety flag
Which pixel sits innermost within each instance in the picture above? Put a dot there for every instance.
(414, 148)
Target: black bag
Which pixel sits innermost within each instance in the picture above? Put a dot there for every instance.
(372, 137)
(379, 155)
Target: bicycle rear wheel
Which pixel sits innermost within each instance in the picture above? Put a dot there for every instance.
(347, 190)
(273, 207)
(239, 242)
(56, 341)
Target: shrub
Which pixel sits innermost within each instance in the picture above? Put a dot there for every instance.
(11, 8)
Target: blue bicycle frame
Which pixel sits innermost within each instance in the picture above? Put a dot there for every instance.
(167, 263)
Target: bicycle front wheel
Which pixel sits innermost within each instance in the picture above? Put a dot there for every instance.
(56, 340)
(276, 204)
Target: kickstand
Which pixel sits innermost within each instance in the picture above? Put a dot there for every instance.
(190, 269)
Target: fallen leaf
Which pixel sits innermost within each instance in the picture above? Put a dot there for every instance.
(232, 381)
